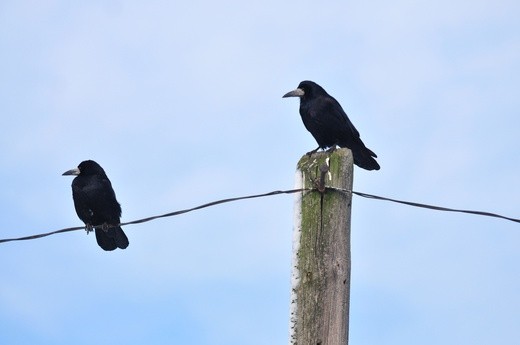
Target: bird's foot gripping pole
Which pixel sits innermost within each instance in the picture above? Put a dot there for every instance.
(310, 153)
(332, 148)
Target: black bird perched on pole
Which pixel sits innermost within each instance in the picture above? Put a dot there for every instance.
(96, 204)
(328, 123)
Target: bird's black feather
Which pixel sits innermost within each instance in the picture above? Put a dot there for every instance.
(95, 203)
(328, 123)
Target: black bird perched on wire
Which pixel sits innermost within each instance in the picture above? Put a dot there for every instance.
(96, 204)
(328, 123)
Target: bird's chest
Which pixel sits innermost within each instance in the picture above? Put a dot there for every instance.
(89, 192)
(319, 122)
(310, 118)
(89, 199)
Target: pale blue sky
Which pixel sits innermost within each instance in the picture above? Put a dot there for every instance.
(182, 104)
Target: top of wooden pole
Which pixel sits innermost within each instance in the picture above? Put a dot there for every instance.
(340, 163)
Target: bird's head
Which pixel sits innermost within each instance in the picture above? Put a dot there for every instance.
(86, 168)
(306, 89)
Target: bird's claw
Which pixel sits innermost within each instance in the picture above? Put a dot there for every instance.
(105, 227)
(332, 148)
(88, 228)
(310, 153)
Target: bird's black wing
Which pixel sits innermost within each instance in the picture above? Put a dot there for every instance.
(95, 200)
(110, 208)
(338, 119)
(348, 136)
(328, 123)
(110, 212)
(342, 132)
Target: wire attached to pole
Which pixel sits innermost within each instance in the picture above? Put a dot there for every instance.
(319, 188)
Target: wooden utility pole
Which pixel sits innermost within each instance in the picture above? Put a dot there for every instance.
(321, 252)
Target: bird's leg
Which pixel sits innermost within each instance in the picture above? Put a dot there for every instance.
(332, 148)
(310, 153)
(105, 227)
(88, 228)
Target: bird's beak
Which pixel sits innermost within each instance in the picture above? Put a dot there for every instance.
(294, 93)
(71, 172)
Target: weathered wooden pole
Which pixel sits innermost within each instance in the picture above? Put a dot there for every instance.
(321, 252)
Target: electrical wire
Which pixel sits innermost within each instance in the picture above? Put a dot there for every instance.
(148, 219)
(276, 192)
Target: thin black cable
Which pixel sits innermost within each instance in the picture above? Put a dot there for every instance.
(431, 207)
(171, 214)
(32, 237)
(209, 204)
(277, 192)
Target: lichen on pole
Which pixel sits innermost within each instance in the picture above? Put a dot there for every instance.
(321, 251)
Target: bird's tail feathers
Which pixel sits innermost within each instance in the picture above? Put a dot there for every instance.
(111, 238)
(364, 158)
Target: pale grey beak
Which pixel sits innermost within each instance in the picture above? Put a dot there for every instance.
(71, 172)
(294, 93)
